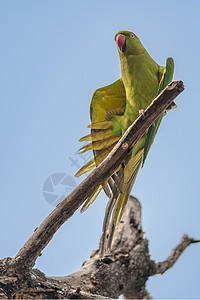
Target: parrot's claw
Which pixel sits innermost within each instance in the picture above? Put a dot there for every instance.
(142, 112)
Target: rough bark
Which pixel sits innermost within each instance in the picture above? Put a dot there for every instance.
(124, 270)
(25, 259)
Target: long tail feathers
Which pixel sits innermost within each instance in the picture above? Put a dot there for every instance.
(130, 173)
(116, 204)
(118, 186)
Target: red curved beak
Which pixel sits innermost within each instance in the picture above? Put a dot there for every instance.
(120, 40)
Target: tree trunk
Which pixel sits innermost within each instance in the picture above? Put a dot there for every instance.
(122, 271)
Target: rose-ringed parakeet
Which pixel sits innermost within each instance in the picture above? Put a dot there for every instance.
(113, 109)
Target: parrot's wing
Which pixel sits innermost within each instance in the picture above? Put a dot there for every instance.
(166, 77)
(127, 175)
(106, 102)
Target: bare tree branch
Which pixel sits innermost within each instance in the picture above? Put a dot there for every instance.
(25, 259)
(126, 267)
(162, 267)
(124, 270)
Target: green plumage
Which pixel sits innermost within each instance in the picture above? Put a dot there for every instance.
(114, 108)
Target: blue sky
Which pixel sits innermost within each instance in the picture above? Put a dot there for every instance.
(54, 54)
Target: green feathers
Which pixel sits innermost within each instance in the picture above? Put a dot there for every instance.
(167, 75)
(113, 109)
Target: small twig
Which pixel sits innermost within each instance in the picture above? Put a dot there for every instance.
(25, 259)
(162, 267)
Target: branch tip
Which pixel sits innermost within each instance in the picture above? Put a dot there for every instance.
(162, 267)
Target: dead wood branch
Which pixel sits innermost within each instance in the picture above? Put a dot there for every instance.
(162, 267)
(124, 270)
(25, 259)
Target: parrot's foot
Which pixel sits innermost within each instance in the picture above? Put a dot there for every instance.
(142, 112)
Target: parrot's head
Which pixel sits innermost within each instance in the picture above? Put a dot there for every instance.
(128, 43)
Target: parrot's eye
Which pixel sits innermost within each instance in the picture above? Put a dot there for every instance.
(132, 36)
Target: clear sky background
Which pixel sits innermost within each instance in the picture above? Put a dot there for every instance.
(53, 56)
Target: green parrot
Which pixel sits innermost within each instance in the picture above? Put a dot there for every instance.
(113, 109)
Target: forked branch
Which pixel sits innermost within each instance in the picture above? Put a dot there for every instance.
(25, 259)
(125, 270)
